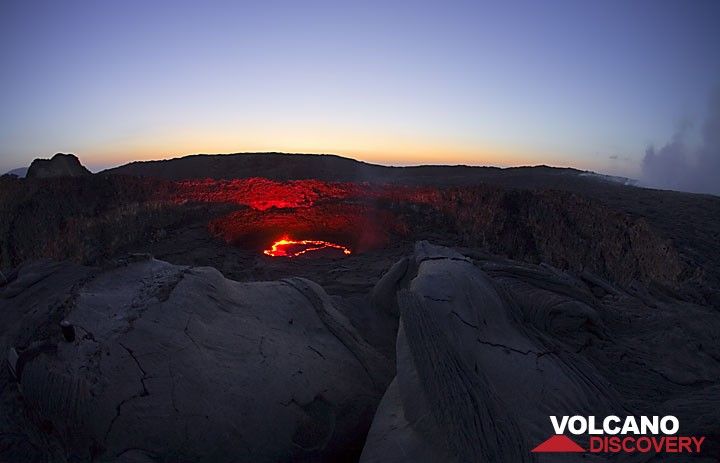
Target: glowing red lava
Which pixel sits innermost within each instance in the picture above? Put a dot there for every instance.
(286, 247)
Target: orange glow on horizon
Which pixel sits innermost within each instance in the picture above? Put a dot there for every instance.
(368, 146)
(385, 157)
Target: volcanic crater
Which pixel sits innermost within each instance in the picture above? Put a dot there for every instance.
(303, 217)
(294, 304)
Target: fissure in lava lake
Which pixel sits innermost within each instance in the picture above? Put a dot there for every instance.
(287, 247)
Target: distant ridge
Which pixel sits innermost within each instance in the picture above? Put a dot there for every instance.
(330, 167)
(19, 172)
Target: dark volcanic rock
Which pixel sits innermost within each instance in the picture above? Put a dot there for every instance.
(690, 221)
(177, 363)
(183, 364)
(329, 167)
(488, 349)
(61, 165)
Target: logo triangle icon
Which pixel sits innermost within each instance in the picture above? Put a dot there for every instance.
(558, 443)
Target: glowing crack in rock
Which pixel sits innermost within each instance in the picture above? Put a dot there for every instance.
(284, 247)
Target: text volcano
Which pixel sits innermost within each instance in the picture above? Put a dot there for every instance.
(291, 248)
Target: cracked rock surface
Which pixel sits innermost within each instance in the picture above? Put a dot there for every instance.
(180, 364)
(487, 349)
(177, 363)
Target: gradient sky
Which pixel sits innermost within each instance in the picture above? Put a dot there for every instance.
(576, 83)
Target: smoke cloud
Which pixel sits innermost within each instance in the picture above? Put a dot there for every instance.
(681, 166)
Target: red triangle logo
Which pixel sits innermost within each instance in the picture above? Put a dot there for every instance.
(558, 443)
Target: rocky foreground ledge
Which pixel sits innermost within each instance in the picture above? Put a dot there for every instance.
(148, 361)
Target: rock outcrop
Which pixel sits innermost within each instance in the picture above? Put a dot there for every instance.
(487, 350)
(182, 363)
(60, 165)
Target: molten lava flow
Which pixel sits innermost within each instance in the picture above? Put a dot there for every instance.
(290, 248)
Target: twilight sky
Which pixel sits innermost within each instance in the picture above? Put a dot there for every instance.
(583, 84)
